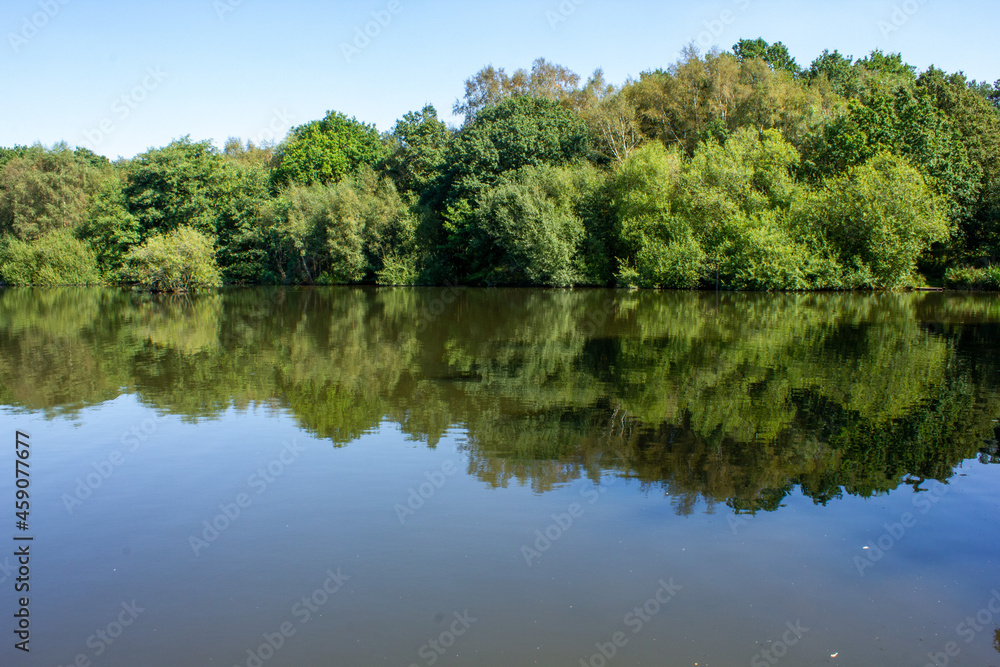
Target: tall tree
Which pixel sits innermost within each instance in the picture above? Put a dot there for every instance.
(418, 154)
(839, 70)
(775, 55)
(976, 123)
(903, 121)
(324, 151)
(712, 96)
(192, 184)
(491, 86)
(46, 189)
(519, 132)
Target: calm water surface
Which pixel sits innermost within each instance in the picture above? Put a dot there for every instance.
(508, 477)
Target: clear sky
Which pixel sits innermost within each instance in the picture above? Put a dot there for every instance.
(123, 76)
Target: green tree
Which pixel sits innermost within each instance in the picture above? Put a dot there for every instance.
(675, 105)
(712, 96)
(418, 156)
(110, 229)
(775, 99)
(89, 156)
(775, 55)
(839, 70)
(8, 154)
(659, 247)
(241, 242)
(297, 223)
(191, 184)
(179, 261)
(324, 151)
(612, 118)
(263, 155)
(354, 231)
(519, 132)
(739, 198)
(976, 124)
(492, 86)
(370, 232)
(889, 68)
(903, 121)
(46, 189)
(179, 184)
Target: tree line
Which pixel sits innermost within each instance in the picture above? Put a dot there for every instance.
(732, 169)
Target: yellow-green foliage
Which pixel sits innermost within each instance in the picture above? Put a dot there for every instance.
(879, 217)
(970, 278)
(736, 213)
(179, 261)
(660, 246)
(57, 258)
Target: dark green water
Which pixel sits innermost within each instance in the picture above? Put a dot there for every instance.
(506, 477)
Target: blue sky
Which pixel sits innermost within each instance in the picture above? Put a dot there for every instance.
(121, 77)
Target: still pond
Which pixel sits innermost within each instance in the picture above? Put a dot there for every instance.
(352, 476)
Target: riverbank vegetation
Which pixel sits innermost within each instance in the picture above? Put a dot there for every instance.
(736, 169)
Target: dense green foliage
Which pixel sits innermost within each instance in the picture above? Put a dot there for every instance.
(178, 261)
(969, 278)
(529, 228)
(324, 151)
(741, 170)
(56, 258)
(43, 190)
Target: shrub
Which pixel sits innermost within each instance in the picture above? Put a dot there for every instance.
(659, 245)
(57, 258)
(969, 278)
(179, 261)
(397, 270)
(880, 217)
(530, 227)
(346, 233)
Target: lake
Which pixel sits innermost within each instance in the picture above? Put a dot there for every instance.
(447, 476)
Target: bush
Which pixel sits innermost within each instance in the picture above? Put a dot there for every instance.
(659, 246)
(969, 278)
(762, 255)
(397, 270)
(880, 217)
(58, 258)
(723, 215)
(529, 230)
(179, 261)
(346, 233)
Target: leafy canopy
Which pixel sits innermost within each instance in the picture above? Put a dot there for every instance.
(324, 151)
